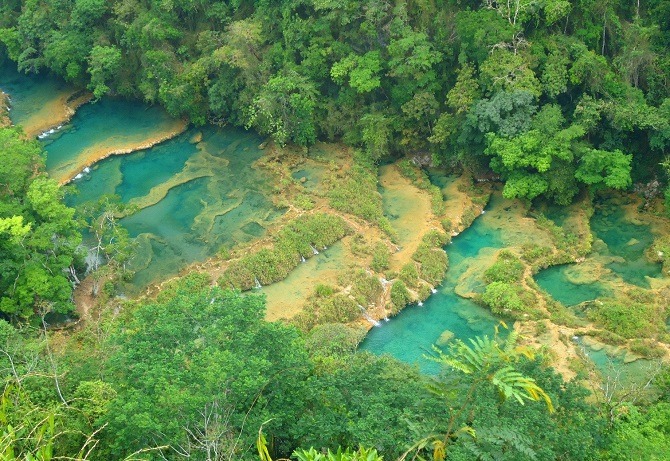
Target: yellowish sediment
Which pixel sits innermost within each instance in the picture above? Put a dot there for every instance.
(116, 146)
(54, 112)
(413, 221)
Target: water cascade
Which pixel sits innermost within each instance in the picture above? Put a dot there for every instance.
(372, 321)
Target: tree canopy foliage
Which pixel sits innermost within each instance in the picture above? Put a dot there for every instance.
(554, 95)
(39, 236)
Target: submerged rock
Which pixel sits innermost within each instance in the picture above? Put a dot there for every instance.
(445, 337)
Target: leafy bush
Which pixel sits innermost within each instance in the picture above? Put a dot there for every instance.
(400, 297)
(381, 257)
(630, 320)
(507, 268)
(431, 257)
(409, 274)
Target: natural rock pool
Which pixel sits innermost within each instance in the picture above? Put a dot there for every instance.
(198, 191)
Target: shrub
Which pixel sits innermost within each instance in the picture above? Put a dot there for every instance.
(507, 268)
(629, 320)
(381, 257)
(502, 297)
(409, 274)
(400, 297)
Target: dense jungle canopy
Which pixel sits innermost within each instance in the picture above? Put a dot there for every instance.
(552, 97)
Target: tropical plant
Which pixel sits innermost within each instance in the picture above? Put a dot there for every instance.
(486, 362)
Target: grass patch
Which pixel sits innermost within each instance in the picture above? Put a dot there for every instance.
(507, 268)
(339, 308)
(381, 257)
(290, 244)
(400, 296)
(432, 259)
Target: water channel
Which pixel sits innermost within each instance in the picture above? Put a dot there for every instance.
(199, 191)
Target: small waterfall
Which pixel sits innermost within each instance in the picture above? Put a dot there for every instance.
(368, 318)
(314, 250)
(433, 290)
(420, 304)
(302, 259)
(257, 284)
(49, 132)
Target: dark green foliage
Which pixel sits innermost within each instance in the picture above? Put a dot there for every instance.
(200, 349)
(39, 235)
(450, 80)
(642, 433)
(525, 432)
(372, 401)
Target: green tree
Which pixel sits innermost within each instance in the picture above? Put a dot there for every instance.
(284, 109)
(104, 65)
(199, 366)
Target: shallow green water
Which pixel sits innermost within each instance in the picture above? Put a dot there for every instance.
(410, 335)
(623, 245)
(558, 283)
(194, 198)
(625, 241)
(28, 92)
(102, 126)
(613, 367)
